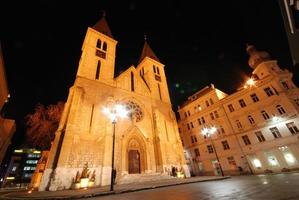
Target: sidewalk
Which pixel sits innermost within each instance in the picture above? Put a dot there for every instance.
(100, 191)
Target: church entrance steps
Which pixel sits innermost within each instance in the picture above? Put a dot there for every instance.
(138, 178)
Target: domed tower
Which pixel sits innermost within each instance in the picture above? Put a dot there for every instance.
(256, 57)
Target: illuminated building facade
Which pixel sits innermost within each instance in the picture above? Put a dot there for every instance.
(147, 143)
(257, 127)
(7, 126)
(21, 167)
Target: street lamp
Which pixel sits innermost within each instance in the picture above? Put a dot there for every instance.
(208, 132)
(114, 112)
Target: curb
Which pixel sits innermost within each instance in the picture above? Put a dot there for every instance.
(109, 192)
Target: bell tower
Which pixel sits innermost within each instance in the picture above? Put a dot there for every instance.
(152, 72)
(98, 53)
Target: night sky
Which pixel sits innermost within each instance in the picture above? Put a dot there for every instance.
(200, 43)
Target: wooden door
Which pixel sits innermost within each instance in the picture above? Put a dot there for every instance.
(134, 162)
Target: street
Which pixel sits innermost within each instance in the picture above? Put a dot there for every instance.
(275, 186)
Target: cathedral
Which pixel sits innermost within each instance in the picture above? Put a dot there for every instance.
(147, 142)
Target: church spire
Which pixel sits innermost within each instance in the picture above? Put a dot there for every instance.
(147, 52)
(102, 26)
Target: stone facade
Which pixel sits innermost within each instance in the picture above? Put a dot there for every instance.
(7, 126)
(85, 133)
(257, 126)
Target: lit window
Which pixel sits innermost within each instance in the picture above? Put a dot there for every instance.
(272, 161)
(291, 160)
(292, 128)
(257, 163)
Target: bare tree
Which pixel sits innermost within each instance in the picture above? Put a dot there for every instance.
(42, 124)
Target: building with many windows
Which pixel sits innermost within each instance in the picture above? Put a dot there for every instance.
(256, 128)
(21, 167)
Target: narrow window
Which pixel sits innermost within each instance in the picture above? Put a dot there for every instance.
(260, 136)
(210, 148)
(292, 128)
(191, 125)
(98, 70)
(91, 116)
(158, 71)
(188, 126)
(246, 140)
(212, 116)
(250, 119)
(239, 125)
(154, 68)
(159, 91)
(188, 113)
(216, 114)
(211, 101)
(203, 120)
(242, 103)
(280, 109)
(99, 43)
(230, 107)
(105, 46)
(166, 130)
(275, 132)
(195, 139)
(132, 82)
(185, 115)
(196, 151)
(254, 98)
(192, 140)
(265, 115)
(207, 104)
(285, 85)
(268, 91)
(199, 121)
(225, 145)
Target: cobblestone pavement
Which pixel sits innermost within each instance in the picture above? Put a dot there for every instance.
(265, 187)
(100, 191)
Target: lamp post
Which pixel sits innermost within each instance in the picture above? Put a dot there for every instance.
(113, 113)
(208, 132)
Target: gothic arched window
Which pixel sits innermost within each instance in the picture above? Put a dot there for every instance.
(99, 43)
(105, 46)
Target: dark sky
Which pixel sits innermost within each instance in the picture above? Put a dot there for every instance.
(200, 42)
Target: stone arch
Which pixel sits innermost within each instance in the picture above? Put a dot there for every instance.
(134, 140)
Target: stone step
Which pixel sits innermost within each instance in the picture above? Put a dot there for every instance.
(138, 178)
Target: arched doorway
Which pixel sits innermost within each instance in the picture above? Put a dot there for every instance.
(134, 162)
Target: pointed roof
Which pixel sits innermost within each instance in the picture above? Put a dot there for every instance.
(102, 27)
(147, 52)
